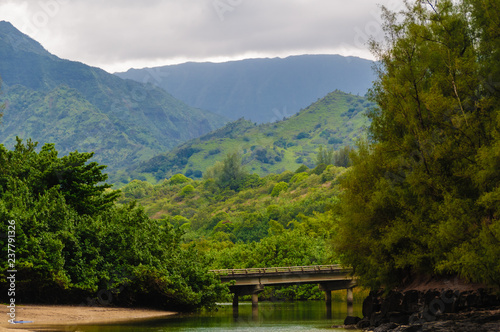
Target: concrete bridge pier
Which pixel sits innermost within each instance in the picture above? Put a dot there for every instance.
(328, 303)
(330, 286)
(253, 290)
(350, 301)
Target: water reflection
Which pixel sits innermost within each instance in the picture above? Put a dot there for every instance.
(270, 316)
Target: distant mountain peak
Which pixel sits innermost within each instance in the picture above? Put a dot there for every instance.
(83, 108)
(20, 42)
(261, 89)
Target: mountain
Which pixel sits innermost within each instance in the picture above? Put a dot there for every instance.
(335, 121)
(83, 108)
(262, 90)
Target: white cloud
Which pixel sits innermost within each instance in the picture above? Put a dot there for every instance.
(116, 34)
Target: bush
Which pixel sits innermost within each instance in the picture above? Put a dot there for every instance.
(299, 177)
(178, 179)
(301, 169)
(187, 190)
(73, 242)
(278, 188)
(303, 135)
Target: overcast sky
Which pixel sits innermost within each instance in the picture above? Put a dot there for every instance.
(119, 34)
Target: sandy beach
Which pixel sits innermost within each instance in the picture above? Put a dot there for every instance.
(67, 318)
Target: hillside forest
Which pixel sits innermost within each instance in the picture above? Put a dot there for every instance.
(417, 196)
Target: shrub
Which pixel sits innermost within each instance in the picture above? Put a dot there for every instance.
(178, 178)
(187, 190)
(279, 187)
(299, 177)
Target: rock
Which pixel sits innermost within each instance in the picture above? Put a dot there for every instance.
(377, 318)
(432, 310)
(410, 301)
(398, 318)
(408, 328)
(351, 320)
(392, 302)
(450, 300)
(371, 304)
(386, 327)
(363, 324)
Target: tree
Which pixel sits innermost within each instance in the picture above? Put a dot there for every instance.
(341, 157)
(278, 188)
(325, 156)
(416, 199)
(330, 157)
(74, 244)
(228, 174)
(81, 183)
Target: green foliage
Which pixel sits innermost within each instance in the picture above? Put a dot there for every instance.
(137, 189)
(422, 197)
(178, 179)
(299, 177)
(302, 168)
(219, 87)
(341, 157)
(73, 242)
(80, 183)
(325, 156)
(271, 147)
(228, 174)
(187, 190)
(278, 188)
(277, 220)
(330, 157)
(82, 108)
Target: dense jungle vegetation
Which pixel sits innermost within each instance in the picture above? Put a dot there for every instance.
(423, 196)
(242, 220)
(73, 244)
(419, 197)
(336, 120)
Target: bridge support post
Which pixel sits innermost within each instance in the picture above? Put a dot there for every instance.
(235, 305)
(255, 306)
(253, 290)
(255, 300)
(350, 300)
(328, 303)
(329, 286)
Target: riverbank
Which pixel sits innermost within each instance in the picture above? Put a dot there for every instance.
(431, 305)
(45, 317)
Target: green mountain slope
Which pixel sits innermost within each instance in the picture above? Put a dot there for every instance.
(261, 90)
(78, 107)
(333, 122)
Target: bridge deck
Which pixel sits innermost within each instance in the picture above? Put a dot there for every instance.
(281, 270)
(287, 275)
(252, 281)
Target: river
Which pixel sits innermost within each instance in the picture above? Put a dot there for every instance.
(271, 316)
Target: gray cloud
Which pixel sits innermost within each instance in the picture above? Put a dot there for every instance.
(115, 34)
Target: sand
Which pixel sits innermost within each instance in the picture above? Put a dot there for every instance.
(67, 318)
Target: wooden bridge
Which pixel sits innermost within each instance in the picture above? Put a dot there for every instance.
(252, 281)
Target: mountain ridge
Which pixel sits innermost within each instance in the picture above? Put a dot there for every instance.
(261, 89)
(335, 121)
(50, 100)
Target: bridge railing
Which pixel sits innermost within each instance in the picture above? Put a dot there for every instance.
(273, 270)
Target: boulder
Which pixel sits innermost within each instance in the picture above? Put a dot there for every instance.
(351, 320)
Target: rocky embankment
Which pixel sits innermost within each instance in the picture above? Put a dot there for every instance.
(474, 310)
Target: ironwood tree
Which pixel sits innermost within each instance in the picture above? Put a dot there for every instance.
(423, 195)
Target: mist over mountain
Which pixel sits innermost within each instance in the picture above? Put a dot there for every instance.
(261, 90)
(84, 108)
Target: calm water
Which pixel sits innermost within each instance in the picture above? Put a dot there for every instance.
(271, 316)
